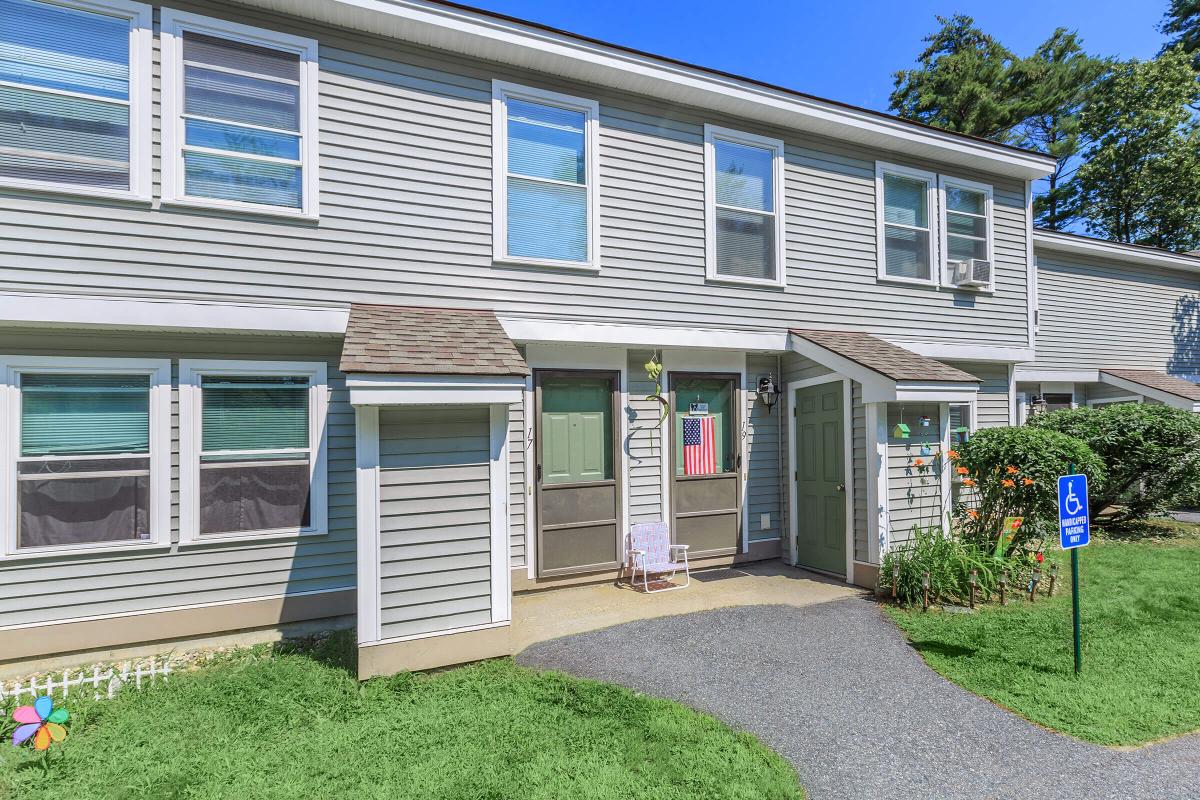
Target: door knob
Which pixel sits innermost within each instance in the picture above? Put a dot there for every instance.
(841, 487)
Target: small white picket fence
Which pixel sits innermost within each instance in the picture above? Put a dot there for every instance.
(104, 683)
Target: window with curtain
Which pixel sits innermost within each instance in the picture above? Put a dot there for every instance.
(743, 210)
(83, 470)
(255, 454)
(547, 185)
(241, 133)
(65, 94)
(907, 226)
(967, 223)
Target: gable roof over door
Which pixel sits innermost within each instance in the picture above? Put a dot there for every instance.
(1169, 389)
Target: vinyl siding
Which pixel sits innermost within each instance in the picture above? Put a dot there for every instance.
(763, 473)
(65, 587)
(992, 402)
(643, 445)
(1085, 393)
(1099, 313)
(405, 162)
(914, 492)
(434, 520)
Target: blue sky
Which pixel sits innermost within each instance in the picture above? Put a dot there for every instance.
(844, 50)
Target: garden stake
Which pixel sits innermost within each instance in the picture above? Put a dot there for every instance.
(973, 580)
(1033, 583)
(895, 578)
(925, 587)
(1003, 585)
(1053, 578)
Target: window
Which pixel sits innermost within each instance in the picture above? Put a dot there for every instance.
(962, 423)
(744, 214)
(239, 117)
(88, 462)
(905, 199)
(252, 458)
(545, 177)
(75, 96)
(966, 220)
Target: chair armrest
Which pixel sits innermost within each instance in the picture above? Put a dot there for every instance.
(680, 546)
(633, 551)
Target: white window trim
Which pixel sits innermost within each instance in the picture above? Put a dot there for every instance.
(159, 372)
(501, 91)
(190, 429)
(946, 182)
(931, 204)
(711, 134)
(174, 23)
(141, 45)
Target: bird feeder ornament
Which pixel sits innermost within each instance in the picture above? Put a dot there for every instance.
(923, 420)
(901, 431)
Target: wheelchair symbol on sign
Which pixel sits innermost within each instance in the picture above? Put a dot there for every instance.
(1071, 502)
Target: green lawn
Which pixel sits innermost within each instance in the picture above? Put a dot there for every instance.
(1140, 597)
(299, 726)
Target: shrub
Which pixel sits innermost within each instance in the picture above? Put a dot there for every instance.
(1013, 472)
(1151, 455)
(949, 561)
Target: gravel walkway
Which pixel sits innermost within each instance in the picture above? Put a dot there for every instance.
(836, 690)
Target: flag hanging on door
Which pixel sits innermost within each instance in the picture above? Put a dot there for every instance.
(699, 446)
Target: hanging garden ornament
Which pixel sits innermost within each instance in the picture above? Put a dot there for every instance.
(926, 450)
(923, 421)
(40, 723)
(901, 431)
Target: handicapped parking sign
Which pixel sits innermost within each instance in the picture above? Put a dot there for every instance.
(1074, 529)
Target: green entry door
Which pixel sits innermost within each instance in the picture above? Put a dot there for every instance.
(821, 478)
(578, 495)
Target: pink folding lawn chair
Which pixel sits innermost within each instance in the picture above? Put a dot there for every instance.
(651, 553)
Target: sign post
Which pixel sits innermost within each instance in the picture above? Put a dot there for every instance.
(1074, 532)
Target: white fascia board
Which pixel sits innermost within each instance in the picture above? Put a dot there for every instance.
(951, 351)
(936, 392)
(426, 390)
(38, 309)
(1050, 241)
(526, 330)
(1031, 374)
(528, 46)
(1173, 400)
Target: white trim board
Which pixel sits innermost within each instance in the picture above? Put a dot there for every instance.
(572, 58)
(385, 389)
(547, 331)
(953, 351)
(1173, 400)
(1025, 374)
(1052, 241)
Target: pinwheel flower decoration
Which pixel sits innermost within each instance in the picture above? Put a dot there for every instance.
(41, 722)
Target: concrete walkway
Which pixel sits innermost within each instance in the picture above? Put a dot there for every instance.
(834, 688)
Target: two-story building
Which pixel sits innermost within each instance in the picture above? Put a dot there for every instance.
(333, 309)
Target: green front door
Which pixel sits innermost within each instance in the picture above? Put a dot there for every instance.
(578, 495)
(821, 478)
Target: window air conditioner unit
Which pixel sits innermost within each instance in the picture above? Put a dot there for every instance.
(969, 273)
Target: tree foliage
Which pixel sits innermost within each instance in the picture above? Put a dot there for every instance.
(1182, 24)
(1151, 455)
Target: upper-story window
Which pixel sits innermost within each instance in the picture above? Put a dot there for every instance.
(933, 229)
(544, 176)
(744, 212)
(239, 116)
(75, 96)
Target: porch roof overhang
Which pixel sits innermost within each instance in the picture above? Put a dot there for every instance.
(396, 355)
(1168, 389)
(886, 371)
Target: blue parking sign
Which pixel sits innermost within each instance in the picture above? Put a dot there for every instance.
(1074, 529)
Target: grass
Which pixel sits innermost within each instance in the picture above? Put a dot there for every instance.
(297, 725)
(1140, 603)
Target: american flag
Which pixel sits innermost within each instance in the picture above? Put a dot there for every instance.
(699, 450)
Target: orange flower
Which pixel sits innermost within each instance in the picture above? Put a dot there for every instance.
(920, 462)
(961, 470)
(1012, 470)
(952, 454)
(972, 513)
(1008, 484)
(1027, 481)
(968, 482)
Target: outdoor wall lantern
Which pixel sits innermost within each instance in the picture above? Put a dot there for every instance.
(768, 392)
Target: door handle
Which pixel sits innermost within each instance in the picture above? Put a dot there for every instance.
(538, 479)
(841, 487)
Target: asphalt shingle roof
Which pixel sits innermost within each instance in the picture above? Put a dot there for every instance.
(1158, 380)
(428, 341)
(889, 360)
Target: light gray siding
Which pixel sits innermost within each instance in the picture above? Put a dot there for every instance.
(517, 454)
(914, 491)
(798, 368)
(763, 446)
(1099, 313)
(992, 402)
(434, 519)
(405, 167)
(643, 443)
(85, 585)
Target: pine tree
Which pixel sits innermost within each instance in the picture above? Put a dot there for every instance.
(1182, 23)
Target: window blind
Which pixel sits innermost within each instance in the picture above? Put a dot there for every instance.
(744, 209)
(84, 414)
(254, 413)
(547, 182)
(77, 134)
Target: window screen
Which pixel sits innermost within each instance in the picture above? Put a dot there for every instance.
(906, 228)
(966, 224)
(65, 99)
(705, 426)
(241, 118)
(255, 454)
(83, 473)
(547, 181)
(744, 210)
